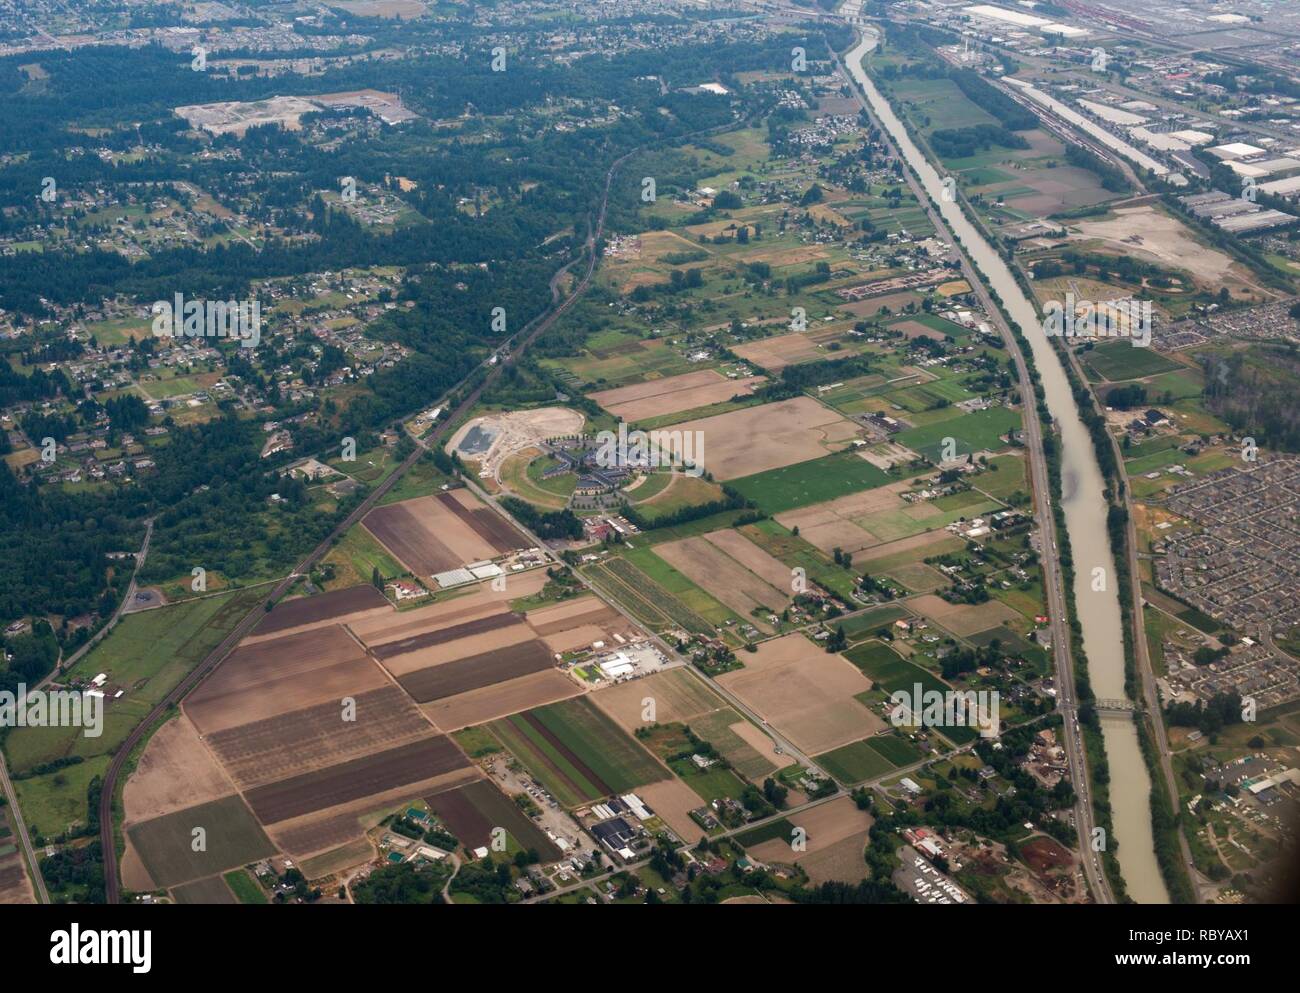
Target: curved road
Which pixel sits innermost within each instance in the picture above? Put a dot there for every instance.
(526, 336)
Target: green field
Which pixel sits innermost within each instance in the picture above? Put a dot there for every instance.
(870, 620)
(58, 800)
(779, 828)
(978, 431)
(815, 481)
(578, 752)
(889, 671)
(1120, 360)
(147, 654)
(854, 763)
(356, 557)
(245, 887)
(869, 759)
(231, 837)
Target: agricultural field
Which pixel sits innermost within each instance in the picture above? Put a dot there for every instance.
(678, 695)
(232, 838)
(577, 752)
(146, 655)
(660, 397)
(977, 432)
(871, 758)
(889, 671)
(1119, 361)
(835, 836)
(437, 533)
(817, 481)
(804, 693)
(732, 570)
(474, 811)
(747, 442)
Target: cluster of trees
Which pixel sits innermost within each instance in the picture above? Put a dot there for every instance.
(1112, 177)
(1255, 393)
(1209, 717)
(731, 500)
(546, 524)
(403, 883)
(960, 143)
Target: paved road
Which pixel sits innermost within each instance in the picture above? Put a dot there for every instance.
(516, 344)
(33, 866)
(66, 664)
(1146, 672)
(1066, 700)
(33, 869)
(783, 745)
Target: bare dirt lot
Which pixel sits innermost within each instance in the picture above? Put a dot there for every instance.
(676, 393)
(430, 534)
(490, 440)
(501, 699)
(962, 618)
(311, 738)
(355, 779)
(476, 671)
(832, 831)
(1154, 236)
(255, 682)
(304, 613)
(744, 442)
(175, 771)
(774, 354)
(804, 692)
(679, 697)
(673, 800)
(716, 572)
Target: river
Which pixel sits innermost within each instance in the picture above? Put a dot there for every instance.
(1084, 505)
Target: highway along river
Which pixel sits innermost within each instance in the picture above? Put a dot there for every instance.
(1085, 518)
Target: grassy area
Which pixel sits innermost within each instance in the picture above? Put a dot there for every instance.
(815, 481)
(245, 887)
(600, 744)
(1119, 360)
(854, 763)
(57, 801)
(889, 670)
(355, 558)
(146, 655)
(978, 431)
